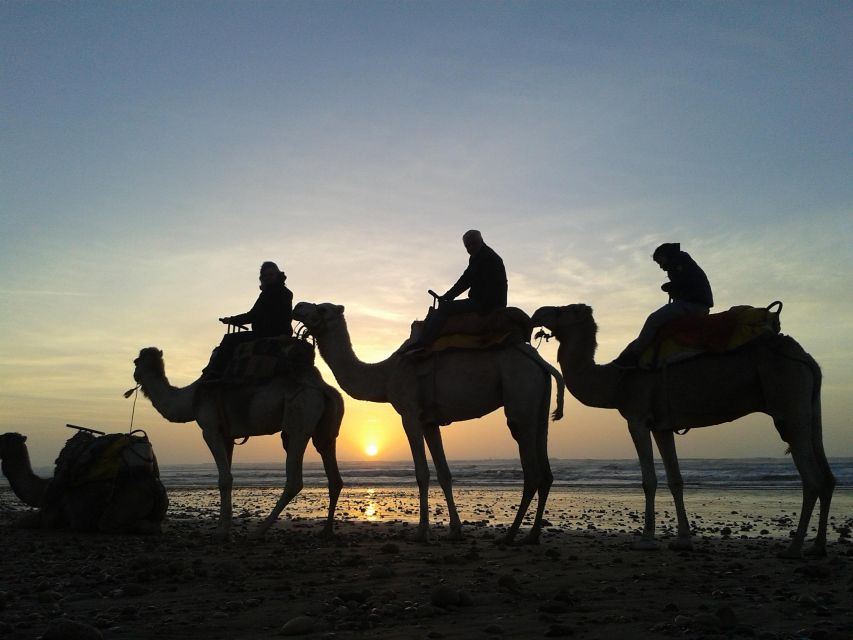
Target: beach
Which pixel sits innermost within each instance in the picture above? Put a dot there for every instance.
(372, 580)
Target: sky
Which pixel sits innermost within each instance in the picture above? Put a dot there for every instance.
(153, 154)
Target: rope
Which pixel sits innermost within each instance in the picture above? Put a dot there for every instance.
(133, 409)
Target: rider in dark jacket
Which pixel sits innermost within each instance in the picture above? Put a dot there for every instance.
(485, 280)
(689, 293)
(271, 314)
(270, 317)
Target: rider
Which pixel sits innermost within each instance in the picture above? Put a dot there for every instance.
(270, 317)
(485, 281)
(689, 294)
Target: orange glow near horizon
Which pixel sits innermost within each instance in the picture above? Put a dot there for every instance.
(371, 450)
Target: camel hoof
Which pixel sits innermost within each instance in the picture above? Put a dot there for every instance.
(223, 536)
(791, 553)
(422, 534)
(681, 544)
(531, 538)
(816, 551)
(645, 544)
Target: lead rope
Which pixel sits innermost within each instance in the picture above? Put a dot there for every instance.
(135, 393)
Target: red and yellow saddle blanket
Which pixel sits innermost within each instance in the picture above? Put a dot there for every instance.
(475, 331)
(715, 333)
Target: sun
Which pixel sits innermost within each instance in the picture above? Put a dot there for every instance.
(371, 450)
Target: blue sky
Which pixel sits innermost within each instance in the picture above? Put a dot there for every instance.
(152, 154)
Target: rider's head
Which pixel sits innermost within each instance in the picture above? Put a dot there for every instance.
(665, 253)
(271, 275)
(473, 241)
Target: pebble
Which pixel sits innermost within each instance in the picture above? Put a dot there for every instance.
(64, 629)
(381, 572)
(298, 626)
(494, 630)
(444, 596)
(559, 631)
(509, 583)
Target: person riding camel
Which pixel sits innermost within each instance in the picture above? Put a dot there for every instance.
(486, 283)
(689, 294)
(270, 317)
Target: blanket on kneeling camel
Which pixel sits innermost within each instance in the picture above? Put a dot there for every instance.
(476, 331)
(694, 335)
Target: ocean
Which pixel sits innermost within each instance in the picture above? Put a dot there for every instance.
(739, 473)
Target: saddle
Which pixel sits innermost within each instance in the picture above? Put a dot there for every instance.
(475, 331)
(695, 335)
(260, 360)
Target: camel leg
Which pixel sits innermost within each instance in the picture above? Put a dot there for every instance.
(432, 435)
(666, 445)
(330, 464)
(416, 443)
(546, 479)
(527, 454)
(812, 477)
(222, 457)
(297, 442)
(643, 444)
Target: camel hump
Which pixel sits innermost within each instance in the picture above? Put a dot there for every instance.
(694, 335)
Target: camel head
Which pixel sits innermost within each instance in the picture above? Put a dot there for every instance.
(11, 445)
(150, 360)
(558, 320)
(317, 317)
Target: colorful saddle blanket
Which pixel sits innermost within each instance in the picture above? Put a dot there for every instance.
(259, 360)
(715, 333)
(475, 331)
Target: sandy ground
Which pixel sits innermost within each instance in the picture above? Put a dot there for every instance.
(373, 581)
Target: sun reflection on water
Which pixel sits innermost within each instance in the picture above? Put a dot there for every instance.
(371, 509)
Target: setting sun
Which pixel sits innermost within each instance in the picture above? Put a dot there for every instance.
(371, 450)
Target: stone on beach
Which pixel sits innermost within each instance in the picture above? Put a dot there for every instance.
(298, 626)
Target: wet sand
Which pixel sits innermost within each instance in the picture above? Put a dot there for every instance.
(373, 581)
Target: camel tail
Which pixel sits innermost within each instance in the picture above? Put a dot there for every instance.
(333, 415)
(533, 354)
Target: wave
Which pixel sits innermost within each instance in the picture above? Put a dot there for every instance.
(756, 473)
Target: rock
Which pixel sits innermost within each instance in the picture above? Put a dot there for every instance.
(389, 547)
(444, 596)
(559, 631)
(132, 590)
(509, 583)
(683, 621)
(65, 629)
(465, 599)
(298, 626)
(494, 630)
(728, 618)
(381, 572)
(707, 620)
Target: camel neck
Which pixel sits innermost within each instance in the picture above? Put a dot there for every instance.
(24, 483)
(592, 384)
(173, 403)
(361, 380)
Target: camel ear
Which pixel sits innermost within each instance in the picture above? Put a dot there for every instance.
(339, 308)
(23, 438)
(160, 353)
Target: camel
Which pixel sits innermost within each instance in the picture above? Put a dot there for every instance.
(16, 466)
(302, 409)
(466, 384)
(774, 375)
(133, 502)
